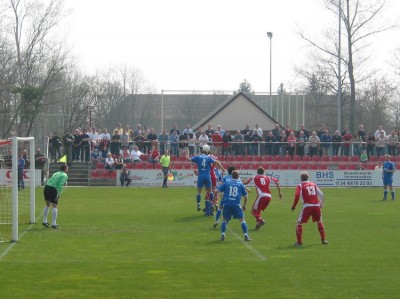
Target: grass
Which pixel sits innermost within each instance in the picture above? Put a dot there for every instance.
(151, 243)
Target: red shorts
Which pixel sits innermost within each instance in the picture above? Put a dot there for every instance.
(307, 212)
(261, 203)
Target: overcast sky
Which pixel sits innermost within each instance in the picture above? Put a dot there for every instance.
(204, 45)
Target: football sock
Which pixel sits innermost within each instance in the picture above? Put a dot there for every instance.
(165, 182)
(392, 194)
(299, 232)
(244, 227)
(256, 214)
(54, 216)
(217, 215)
(198, 198)
(223, 227)
(385, 194)
(45, 213)
(208, 207)
(211, 196)
(321, 230)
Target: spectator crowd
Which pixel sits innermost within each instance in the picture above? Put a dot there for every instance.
(141, 143)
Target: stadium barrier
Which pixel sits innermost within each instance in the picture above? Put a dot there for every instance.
(287, 178)
(6, 177)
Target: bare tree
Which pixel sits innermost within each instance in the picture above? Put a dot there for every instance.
(376, 104)
(40, 57)
(361, 22)
(8, 77)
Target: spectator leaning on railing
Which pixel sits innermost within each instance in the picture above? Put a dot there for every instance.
(313, 142)
(282, 142)
(56, 142)
(173, 140)
(392, 141)
(94, 138)
(124, 139)
(151, 139)
(292, 142)
(301, 143)
(370, 144)
(380, 144)
(237, 147)
(203, 140)
(163, 141)
(347, 139)
(326, 140)
(336, 143)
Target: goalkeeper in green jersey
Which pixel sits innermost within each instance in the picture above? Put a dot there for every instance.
(52, 192)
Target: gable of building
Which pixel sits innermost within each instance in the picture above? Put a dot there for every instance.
(234, 113)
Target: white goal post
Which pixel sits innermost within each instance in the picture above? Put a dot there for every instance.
(17, 207)
(15, 190)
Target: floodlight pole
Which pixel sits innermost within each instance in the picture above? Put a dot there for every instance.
(339, 100)
(269, 34)
(162, 110)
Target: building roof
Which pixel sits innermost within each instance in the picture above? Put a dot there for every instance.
(234, 113)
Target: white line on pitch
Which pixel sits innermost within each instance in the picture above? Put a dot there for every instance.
(8, 249)
(251, 248)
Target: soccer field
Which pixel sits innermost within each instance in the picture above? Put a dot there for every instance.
(152, 243)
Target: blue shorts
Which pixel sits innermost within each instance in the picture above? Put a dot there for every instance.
(204, 180)
(232, 211)
(387, 181)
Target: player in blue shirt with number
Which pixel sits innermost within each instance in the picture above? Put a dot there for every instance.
(387, 177)
(233, 191)
(225, 179)
(204, 163)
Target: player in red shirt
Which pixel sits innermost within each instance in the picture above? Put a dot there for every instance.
(313, 200)
(262, 183)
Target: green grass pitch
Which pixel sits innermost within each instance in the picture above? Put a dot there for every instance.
(152, 243)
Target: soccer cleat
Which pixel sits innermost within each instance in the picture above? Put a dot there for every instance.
(198, 208)
(324, 242)
(297, 244)
(46, 225)
(55, 226)
(222, 238)
(215, 224)
(384, 198)
(247, 238)
(259, 224)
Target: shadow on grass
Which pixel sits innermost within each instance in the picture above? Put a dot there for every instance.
(302, 247)
(383, 201)
(191, 218)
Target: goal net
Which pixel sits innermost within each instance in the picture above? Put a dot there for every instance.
(17, 186)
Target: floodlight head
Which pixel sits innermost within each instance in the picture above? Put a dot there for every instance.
(269, 34)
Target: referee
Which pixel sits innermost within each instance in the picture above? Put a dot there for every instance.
(165, 162)
(52, 192)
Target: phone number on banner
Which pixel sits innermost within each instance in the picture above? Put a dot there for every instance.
(356, 183)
